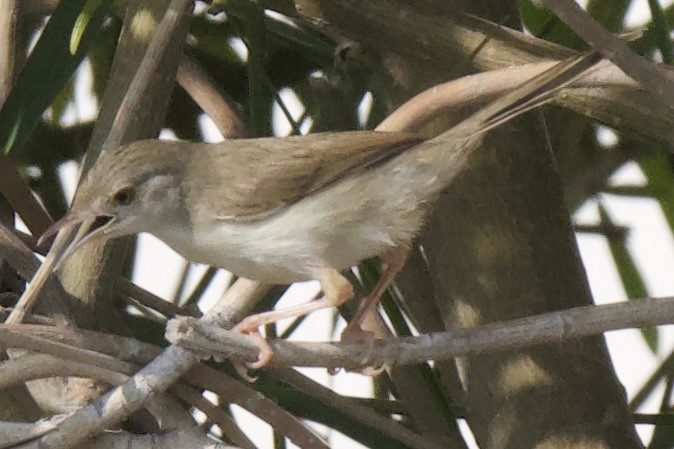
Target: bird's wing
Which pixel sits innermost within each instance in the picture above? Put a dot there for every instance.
(262, 176)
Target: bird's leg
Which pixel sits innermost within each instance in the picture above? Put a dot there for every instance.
(336, 291)
(395, 261)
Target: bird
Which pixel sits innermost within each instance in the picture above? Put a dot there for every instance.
(281, 210)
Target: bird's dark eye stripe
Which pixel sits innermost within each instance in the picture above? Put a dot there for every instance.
(124, 196)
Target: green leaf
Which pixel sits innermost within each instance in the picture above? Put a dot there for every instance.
(544, 24)
(663, 433)
(212, 38)
(61, 101)
(370, 272)
(46, 72)
(610, 13)
(259, 95)
(630, 277)
(658, 170)
(661, 31)
(101, 53)
(81, 23)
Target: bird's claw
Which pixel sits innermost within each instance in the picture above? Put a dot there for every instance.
(355, 334)
(264, 355)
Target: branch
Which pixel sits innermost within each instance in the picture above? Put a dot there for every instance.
(13, 433)
(34, 366)
(649, 75)
(25, 263)
(551, 327)
(147, 71)
(215, 414)
(18, 194)
(196, 82)
(486, 86)
(102, 350)
(38, 366)
(177, 439)
(351, 408)
(157, 376)
(154, 302)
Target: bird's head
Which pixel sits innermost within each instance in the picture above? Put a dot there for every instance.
(128, 190)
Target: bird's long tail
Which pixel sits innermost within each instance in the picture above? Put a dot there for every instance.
(533, 93)
(419, 174)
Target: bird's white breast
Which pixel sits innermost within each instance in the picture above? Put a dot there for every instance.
(335, 228)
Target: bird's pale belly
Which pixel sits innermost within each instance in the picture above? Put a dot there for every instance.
(296, 254)
(335, 229)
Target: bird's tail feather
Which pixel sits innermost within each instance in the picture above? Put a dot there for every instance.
(536, 92)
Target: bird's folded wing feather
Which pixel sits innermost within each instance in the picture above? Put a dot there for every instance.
(265, 175)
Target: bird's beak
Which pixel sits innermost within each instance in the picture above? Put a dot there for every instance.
(91, 227)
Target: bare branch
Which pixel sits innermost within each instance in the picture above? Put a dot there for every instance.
(13, 433)
(157, 376)
(21, 259)
(203, 91)
(649, 75)
(229, 389)
(351, 408)
(486, 86)
(215, 414)
(546, 328)
(15, 189)
(9, 18)
(39, 366)
(15, 339)
(166, 308)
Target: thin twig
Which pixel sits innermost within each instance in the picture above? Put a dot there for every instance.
(166, 308)
(146, 72)
(24, 262)
(17, 192)
(231, 390)
(351, 408)
(199, 85)
(649, 75)
(60, 359)
(486, 86)
(105, 351)
(546, 328)
(157, 376)
(12, 337)
(13, 433)
(215, 413)
(38, 366)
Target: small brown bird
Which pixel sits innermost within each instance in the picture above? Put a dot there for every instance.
(280, 210)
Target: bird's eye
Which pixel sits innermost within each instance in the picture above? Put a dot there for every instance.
(124, 196)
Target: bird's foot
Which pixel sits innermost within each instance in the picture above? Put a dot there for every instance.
(264, 355)
(355, 334)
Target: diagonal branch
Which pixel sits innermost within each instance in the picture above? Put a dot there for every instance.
(649, 75)
(120, 354)
(154, 378)
(197, 83)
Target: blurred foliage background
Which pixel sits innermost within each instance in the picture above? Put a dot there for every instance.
(255, 57)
